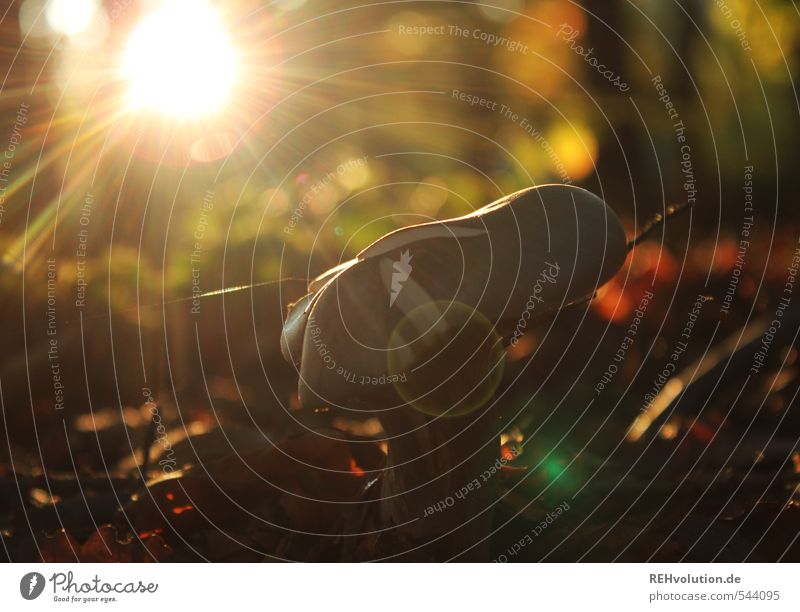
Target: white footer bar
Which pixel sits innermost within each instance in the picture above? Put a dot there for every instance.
(389, 587)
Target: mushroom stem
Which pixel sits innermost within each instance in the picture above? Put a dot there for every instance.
(437, 487)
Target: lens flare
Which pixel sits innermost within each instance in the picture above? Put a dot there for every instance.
(446, 359)
(179, 61)
(70, 17)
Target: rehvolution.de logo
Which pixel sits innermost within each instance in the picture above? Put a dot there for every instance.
(31, 585)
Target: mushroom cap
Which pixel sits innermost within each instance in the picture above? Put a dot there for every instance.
(524, 255)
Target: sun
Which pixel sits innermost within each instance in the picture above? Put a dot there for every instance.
(179, 60)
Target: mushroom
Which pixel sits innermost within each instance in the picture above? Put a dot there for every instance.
(413, 331)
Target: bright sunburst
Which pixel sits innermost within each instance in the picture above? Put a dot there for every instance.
(179, 60)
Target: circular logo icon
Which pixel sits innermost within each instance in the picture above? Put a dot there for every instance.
(31, 585)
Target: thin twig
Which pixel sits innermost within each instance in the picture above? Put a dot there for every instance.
(671, 212)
